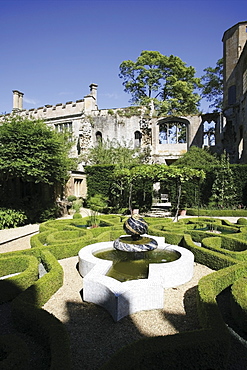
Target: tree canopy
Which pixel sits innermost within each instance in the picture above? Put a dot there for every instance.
(197, 158)
(164, 80)
(112, 152)
(212, 83)
(33, 152)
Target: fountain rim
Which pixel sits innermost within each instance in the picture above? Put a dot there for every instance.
(102, 266)
(142, 294)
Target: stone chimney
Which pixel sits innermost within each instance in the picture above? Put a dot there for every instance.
(17, 100)
(90, 101)
(93, 91)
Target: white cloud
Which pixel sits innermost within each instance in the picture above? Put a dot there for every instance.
(30, 101)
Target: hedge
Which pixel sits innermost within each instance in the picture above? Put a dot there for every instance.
(26, 266)
(239, 302)
(14, 353)
(99, 179)
(217, 212)
(205, 348)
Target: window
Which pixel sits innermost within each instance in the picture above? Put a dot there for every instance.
(138, 139)
(245, 81)
(241, 143)
(209, 134)
(63, 127)
(172, 132)
(98, 137)
(232, 95)
(78, 187)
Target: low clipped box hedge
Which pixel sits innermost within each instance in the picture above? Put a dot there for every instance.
(217, 212)
(58, 239)
(27, 269)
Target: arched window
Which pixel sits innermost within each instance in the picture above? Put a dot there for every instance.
(98, 137)
(172, 132)
(241, 143)
(209, 133)
(138, 139)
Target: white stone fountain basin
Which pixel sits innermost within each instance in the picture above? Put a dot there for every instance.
(124, 298)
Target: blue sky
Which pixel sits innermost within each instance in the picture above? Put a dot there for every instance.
(52, 50)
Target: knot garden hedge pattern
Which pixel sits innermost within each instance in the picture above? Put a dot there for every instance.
(218, 244)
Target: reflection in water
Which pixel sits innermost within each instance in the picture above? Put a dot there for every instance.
(134, 265)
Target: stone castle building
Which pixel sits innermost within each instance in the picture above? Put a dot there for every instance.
(166, 137)
(234, 139)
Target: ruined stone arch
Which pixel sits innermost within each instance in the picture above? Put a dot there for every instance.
(137, 139)
(173, 130)
(98, 137)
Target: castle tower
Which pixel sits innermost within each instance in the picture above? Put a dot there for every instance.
(234, 40)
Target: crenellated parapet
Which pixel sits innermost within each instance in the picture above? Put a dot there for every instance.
(49, 112)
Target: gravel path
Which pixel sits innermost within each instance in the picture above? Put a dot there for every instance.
(95, 337)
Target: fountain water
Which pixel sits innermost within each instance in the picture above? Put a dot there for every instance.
(133, 294)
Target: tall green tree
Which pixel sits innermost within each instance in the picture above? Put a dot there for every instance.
(33, 152)
(165, 81)
(212, 82)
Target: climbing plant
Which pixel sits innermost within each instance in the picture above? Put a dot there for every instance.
(224, 191)
(156, 173)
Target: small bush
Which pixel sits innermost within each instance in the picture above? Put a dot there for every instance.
(77, 215)
(71, 198)
(242, 221)
(11, 218)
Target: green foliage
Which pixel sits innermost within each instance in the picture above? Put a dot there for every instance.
(111, 112)
(97, 204)
(164, 80)
(111, 152)
(71, 198)
(242, 221)
(77, 204)
(11, 218)
(99, 179)
(212, 83)
(239, 172)
(45, 214)
(33, 152)
(26, 266)
(129, 112)
(206, 347)
(197, 158)
(239, 302)
(217, 212)
(77, 215)
(224, 191)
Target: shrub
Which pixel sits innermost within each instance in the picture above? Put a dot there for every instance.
(11, 218)
(71, 198)
(77, 215)
(242, 221)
